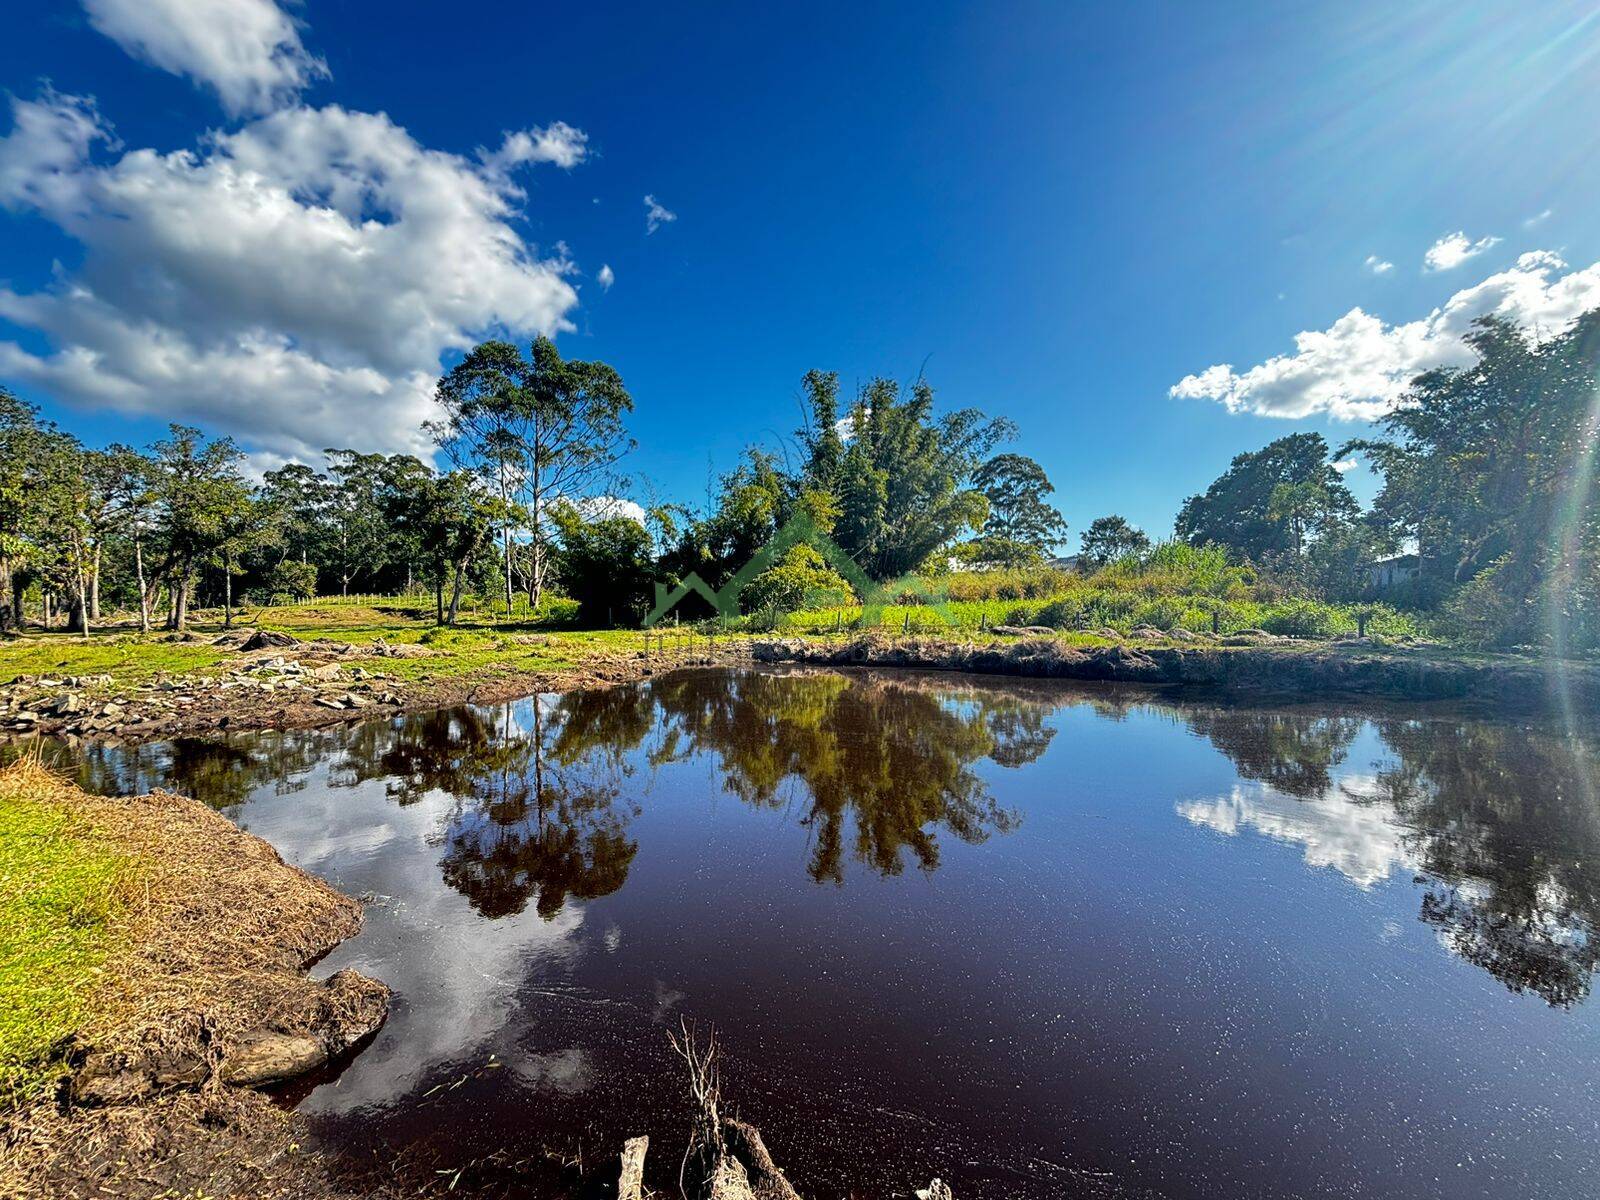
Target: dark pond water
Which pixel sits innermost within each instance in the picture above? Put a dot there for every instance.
(1038, 941)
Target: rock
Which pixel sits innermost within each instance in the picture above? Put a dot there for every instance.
(331, 671)
(69, 703)
(630, 1184)
(329, 702)
(1146, 632)
(937, 1190)
(268, 639)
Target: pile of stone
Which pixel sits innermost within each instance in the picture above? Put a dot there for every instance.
(84, 705)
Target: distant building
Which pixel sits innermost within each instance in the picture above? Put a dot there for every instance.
(1070, 562)
(1386, 572)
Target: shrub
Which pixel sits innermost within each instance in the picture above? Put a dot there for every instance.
(1299, 618)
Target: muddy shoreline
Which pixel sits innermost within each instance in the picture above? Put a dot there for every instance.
(1298, 673)
(317, 684)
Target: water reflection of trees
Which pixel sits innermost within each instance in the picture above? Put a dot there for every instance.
(1499, 821)
(882, 767)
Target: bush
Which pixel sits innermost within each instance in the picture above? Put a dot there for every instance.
(802, 578)
(1299, 618)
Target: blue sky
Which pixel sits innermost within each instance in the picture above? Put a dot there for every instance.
(1059, 212)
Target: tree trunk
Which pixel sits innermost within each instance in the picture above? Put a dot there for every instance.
(94, 584)
(180, 601)
(510, 594)
(438, 599)
(81, 601)
(455, 593)
(9, 618)
(227, 591)
(144, 594)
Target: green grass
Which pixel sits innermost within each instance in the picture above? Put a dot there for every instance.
(58, 888)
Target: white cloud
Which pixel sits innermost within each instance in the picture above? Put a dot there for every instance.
(1345, 465)
(559, 143)
(1378, 266)
(655, 216)
(1358, 367)
(294, 282)
(606, 277)
(1453, 249)
(1349, 828)
(1538, 218)
(599, 508)
(248, 50)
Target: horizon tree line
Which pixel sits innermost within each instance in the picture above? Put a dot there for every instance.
(1488, 471)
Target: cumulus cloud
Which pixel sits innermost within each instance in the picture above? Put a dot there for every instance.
(1360, 366)
(655, 216)
(1378, 266)
(249, 51)
(606, 277)
(294, 282)
(1453, 249)
(1349, 829)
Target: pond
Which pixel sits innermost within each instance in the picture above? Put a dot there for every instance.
(1040, 941)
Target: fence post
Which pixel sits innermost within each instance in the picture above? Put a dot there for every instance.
(1216, 621)
(1361, 624)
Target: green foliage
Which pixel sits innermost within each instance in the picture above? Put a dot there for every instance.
(1109, 538)
(290, 580)
(1491, 470)
(800, 579)
(1271, 501)
(605, 565)
(1020, 522)
(58, 887)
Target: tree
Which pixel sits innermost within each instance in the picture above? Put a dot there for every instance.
(25, 541)
(1490, 469)
(301, 500)
(1109, 538)
(1015, 487)
(449, 518)
(901, 485)
(1237, 510)
(196, 483)
(354, 510)
(603, 564)
(541, 429)
(133, 506)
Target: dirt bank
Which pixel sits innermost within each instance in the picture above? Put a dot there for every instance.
(1279, 671)
(202, 997)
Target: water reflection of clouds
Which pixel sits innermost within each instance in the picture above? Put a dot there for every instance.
(1348, 827)
(459, 976)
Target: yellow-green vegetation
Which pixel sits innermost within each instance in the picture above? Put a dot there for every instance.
(60, 882)
(1173, 586)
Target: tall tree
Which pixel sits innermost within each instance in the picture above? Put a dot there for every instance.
(133, 504)
(903, 487)
(1237, 510)
(1022, 525)
(196, 482)
(539, 429)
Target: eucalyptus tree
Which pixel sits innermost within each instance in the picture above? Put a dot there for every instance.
(196, 483)
(537, 429)
(132, 495)
(1022, 525)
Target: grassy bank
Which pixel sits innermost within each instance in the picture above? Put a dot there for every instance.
(62, 882)
(166, 950)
